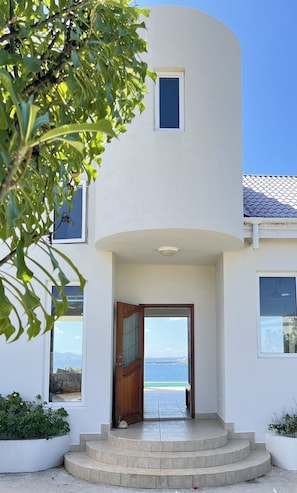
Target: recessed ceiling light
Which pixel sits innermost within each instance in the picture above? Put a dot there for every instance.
(168, 251)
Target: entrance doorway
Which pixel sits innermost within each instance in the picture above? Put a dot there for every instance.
(134, 389)
(167, 362)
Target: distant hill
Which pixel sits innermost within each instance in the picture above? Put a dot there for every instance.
(178, 360)
(64, 360)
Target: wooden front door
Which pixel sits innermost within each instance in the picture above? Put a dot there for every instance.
(128, 404)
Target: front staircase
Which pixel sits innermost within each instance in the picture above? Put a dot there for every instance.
(168, 454)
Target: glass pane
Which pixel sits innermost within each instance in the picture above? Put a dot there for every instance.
(169, 102)
(166, 351)
(66, 350)
(131, 341)
(69, 223)
(278, 318)
(277, 296)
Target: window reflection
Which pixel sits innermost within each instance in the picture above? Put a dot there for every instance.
(66, 349)
(278, 315)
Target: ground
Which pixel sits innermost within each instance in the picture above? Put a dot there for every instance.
(57, 479)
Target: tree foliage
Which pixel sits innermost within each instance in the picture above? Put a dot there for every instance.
(71, 79)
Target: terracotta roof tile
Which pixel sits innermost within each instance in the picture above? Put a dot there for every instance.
(270, 196)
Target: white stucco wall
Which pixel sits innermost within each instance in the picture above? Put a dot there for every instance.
(255, 387)
(98, 269)
(149, 284)
(180, 178)
(24, 366)
(220, 340)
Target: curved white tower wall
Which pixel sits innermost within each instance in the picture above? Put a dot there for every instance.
(179, 186)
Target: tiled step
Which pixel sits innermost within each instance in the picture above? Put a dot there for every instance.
(106, 451)
(81, 465)
(189, 454)
(210, 437)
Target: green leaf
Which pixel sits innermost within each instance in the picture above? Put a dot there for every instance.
(34, 327)
(28, 115)
(6, 328)
(62, 278)
(12, 211)
(75, 59)
(4, 57)
(30, 299)
(7, 58)
(101, 126)
(3, 117)
(78, 146)
(49, 322)
(82, 280)
(5, 304)
(32, 64)
(40, 121)
(23, 272)
(6, 80)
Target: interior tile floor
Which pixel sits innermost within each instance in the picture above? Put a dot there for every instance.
(161, 403)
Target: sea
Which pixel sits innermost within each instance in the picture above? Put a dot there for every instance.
(158, 372)
(165, 372)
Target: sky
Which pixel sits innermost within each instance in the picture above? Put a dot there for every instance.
(165, 337)
(267, 33)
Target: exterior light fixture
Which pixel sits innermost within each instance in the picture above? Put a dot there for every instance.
(168, 251)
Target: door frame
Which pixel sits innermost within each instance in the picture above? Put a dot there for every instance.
(118, 367)
(190, 392)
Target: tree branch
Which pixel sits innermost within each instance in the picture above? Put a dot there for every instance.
(39, 25)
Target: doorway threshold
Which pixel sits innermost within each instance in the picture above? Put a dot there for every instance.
(165, 404)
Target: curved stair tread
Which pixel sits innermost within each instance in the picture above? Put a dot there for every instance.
(79, 464)
(233, 451)
(199, 441)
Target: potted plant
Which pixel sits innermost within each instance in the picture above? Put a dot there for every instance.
(281, 440)
(33, 435)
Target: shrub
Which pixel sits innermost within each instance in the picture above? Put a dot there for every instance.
(24, 420)
(286, 423)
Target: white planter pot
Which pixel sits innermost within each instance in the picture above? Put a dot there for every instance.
(283, 451)
(32, 455)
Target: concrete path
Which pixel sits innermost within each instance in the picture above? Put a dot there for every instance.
(57, 480)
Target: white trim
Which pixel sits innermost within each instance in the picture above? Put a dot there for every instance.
(170, 74)
(83, 237)
(269, 227)
(46, 356)
(271, 274)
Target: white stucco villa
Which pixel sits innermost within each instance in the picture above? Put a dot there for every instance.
(172, 229)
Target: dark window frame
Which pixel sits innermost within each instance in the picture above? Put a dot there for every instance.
(65, 226)
(162, 101)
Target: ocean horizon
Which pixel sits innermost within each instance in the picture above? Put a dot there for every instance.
(158, 372)
(165, 372)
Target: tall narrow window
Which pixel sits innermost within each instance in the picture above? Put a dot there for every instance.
(278, 315)
(66, 356)
(69, 225)
(169, 101)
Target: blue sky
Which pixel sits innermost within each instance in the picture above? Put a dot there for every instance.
(166, 337)
(267, 32)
